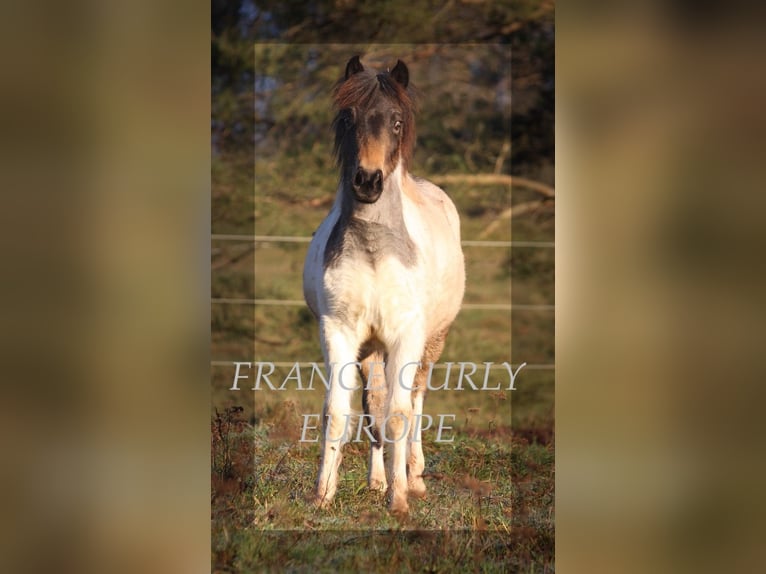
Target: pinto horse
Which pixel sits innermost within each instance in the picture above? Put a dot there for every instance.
(385, 277)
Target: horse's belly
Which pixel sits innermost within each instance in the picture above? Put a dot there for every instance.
(443, 271)
(445, 296)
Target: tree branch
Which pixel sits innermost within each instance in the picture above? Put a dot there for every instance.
(510, 212)
(496, 179)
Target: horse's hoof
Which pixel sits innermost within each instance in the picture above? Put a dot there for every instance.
(400, 512)
(321, 501)
(399, 508)
(378, 485)
(416, 487)
(415, 492)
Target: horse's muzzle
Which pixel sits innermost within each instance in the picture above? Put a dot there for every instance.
(368, 185)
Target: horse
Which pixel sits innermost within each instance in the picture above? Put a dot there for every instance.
(385, 277)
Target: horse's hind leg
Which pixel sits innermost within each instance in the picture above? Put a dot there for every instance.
(374, 403)
(416, 461)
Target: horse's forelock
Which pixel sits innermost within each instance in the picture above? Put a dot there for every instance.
(357, 91)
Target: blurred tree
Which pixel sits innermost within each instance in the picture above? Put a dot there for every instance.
(477, 99)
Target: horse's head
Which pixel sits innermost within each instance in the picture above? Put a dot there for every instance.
(374, 128)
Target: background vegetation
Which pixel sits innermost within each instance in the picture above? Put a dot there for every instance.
(486, 108)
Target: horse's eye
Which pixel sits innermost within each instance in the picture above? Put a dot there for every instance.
(397, 126)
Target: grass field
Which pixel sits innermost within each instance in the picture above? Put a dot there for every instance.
(490, 505)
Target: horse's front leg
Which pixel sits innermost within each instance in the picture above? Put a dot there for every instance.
(340, 349)
(400, 374)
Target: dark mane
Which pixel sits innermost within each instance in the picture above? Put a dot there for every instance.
(357, 92)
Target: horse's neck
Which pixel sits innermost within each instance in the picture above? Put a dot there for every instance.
(387, 211)
(371, 231)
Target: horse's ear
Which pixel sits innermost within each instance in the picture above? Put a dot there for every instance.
(401, 74)
(354, 66)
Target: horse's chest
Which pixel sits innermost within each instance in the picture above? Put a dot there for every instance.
(367, 292)
(363, 242)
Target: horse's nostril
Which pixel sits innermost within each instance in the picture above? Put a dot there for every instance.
(378, 177)
(359, 178)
